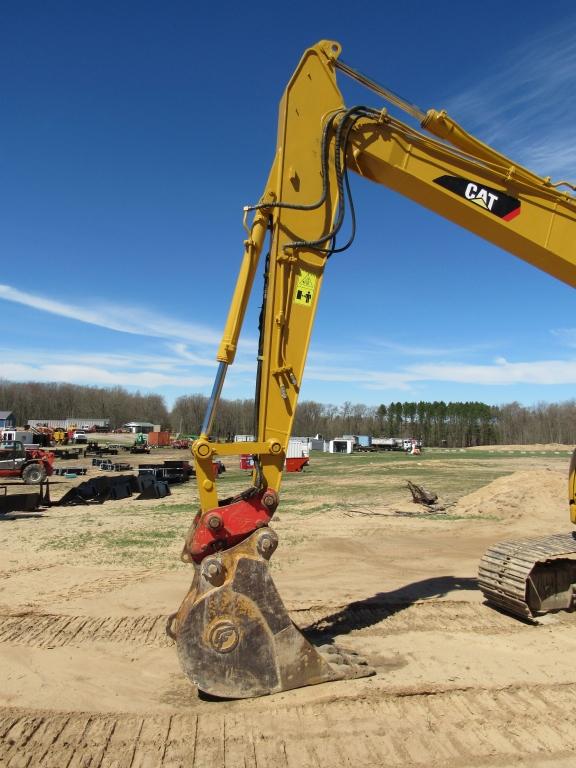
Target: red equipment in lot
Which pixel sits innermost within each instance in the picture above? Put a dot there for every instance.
(246, 461)
(293, 463)
(32, 465)
(181, 443)
(296, 464)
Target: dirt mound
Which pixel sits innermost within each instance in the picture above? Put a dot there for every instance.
(534, 494)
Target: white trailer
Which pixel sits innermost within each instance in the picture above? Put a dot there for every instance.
(297, 448)
(341, 445)
(388, 443)
(25, 437)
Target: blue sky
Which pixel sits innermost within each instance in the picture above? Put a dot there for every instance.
(134, 132)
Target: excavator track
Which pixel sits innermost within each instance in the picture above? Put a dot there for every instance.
(530, 577)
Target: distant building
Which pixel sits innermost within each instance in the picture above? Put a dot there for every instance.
(7, 420)
(314, 443)
(341, 445)
(71, 423)
(141, 426)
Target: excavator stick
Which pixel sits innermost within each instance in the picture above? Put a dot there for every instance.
(234, 636)
(530, 577)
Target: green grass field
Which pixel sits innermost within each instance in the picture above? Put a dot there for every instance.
(144, 533)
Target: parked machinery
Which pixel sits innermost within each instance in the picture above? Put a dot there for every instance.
(234, 636)
(32, 465)
(60, 436)
(140, 444)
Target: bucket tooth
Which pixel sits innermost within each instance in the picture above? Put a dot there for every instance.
(234, 636)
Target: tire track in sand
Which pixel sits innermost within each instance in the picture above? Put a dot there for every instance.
(101, 585)
(26, 569)
(449, 729)
(54, 630)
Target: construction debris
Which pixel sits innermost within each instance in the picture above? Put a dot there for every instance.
(97, 490)
(421, 495)
(24, 502)
(169, 471)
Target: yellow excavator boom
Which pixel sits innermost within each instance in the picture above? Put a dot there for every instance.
(234, 636)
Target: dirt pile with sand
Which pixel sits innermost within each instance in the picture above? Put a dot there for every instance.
(538, 494)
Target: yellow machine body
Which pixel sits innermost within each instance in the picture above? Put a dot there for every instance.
(439, 166)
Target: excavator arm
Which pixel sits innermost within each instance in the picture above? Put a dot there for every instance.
(234, 636)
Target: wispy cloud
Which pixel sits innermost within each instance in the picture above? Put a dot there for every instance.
(125, 319)
(176, 371)
(180, 365)
(145, 371)
(184, 353)
(418, 350)
(42, 357)
(378, 349)
(85, 374)
(565, 336)
(361, 377)
(524, 105)
(500, 372)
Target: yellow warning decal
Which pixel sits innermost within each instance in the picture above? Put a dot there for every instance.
(305, 288)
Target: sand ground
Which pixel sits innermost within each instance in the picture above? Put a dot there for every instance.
(89, 678)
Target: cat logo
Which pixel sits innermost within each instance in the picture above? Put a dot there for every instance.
(480, 196)
(493, 200)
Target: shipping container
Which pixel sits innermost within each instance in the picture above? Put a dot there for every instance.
(158, 439)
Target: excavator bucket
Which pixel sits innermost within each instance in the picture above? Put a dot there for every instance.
(234, 636)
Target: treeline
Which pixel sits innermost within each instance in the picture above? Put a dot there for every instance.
(439, 423)
(233, 417)
(33, 400)
(435, 423)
